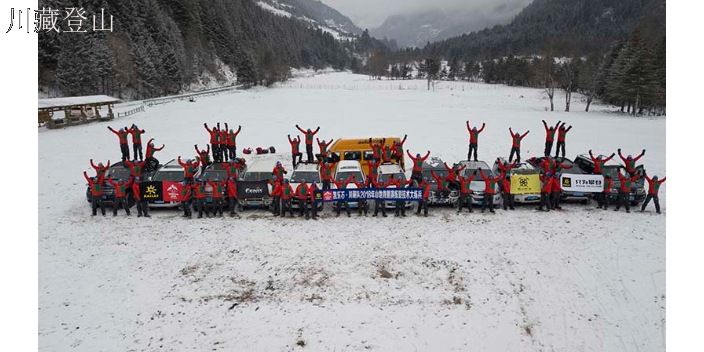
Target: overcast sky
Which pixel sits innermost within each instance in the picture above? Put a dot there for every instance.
(371, 13)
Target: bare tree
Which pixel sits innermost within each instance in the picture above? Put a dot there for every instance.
(549, 78)
(569, 79)
(588, 77)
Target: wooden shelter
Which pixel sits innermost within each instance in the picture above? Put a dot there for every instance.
(76, 110)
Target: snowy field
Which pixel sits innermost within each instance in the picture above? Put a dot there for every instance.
(576, 280)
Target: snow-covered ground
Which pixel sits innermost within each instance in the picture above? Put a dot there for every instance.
(576, 280)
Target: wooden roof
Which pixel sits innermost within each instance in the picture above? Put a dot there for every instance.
(61, 103)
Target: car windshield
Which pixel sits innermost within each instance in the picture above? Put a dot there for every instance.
(214, 174)
(344, 175)
(308, 176)
(172, 175)
(119, 173)
(385, 177)
(257, 176)
(426, 175)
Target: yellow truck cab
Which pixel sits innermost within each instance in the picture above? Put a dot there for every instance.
(360, 150)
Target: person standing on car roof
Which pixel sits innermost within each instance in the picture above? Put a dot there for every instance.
(186, 200)
(232, 194)
(275, 195)
(473, 140)
(189, 169)
(295, 149)
(545, 191)
(326, 173)
(653, 190)
(100, 169)
(379, 204)
(377, 148)
(599, 162)
(561, 134)
(602, 198)
(508, 197)
(452, 173)
(505, 167)
(141, 203)
(218, 189)
(124, 148)
(363, 206)
(516, 146)
(279, 171)
(301, 195)
(311, 200)
(136, 167)
(199, 190)
(555, 192)
(309, 134)
(465, 192)
(286, 195)
(630, 162)
(96, 193)
(342, 184)
(423, 203)
(136, 141)
(214, 139)
(120, 195)
(203, 157)
(373, 169)
(398, 149)
(625, 191)
(232, 142)
(323, 148)
(549, 136)
(152, 162)
(418, 161)
(490, 189)
(387, 155)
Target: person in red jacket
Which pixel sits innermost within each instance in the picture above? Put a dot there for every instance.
(100, 169)
(555, 192)
(466, 192)
(302, 195)
(473, 140)
(323, 149)
(199, 191)
(342, 184)
(508, 197)
(545, 192)
(452, 173)
(505, 167)
(625, 191)
(398, 149)
(286, 195)
(124, 148)
(387, 154)
(653, 190)
(120, 195)
(295, 149)
(279, 171)
(561, 134)
(362, 204)
(599, 162)
(418, 161)
(400, 184)
(186, 200)
(311, 200)
(96, 193)
(218, 190)
(489, 190)
(549, 136)
(232, 195)
(309, 134)
(232, 142)
(232, 168)
(377, 148)
(189, 169)
(630, 162)
(203, 157)
(379, 204)
(326, 173)
(373, 169)
(136, 141)
(275, 183)
(516, 145)
(443, 191)
(214, 139)
(423, 204)
(141, 203)
(136, 167)
(152, 162)
(602, 198)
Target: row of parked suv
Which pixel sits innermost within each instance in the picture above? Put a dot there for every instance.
(259, 168)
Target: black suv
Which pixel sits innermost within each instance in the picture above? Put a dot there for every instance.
(637, 194)
(119, 172)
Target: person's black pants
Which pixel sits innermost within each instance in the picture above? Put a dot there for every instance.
(233, 205)
(422, 204)
(309, 152)
(277, 206)
(557, 149)
(313, 208)
(488, 201)
(142, 207)
(120, 202)
(509, 200)
(544, 201)
(303, 208)
(339, 208)
(363, 206)
(186, 204)
(97, 201)
(417, 175)
(465, 200)
(379, 205)
(400, 208)
(125, 152)
(326, 184)
(286, 205)
(655, 199)
(548, 147)
(214, 150)
(202, 208)
(516, 151)
(294, 156)
(623, 200)
(602, 199)
(137, 147)
(472, 148)
(555, 200)
(218, 206)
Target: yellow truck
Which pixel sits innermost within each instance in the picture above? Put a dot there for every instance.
(360, 150)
